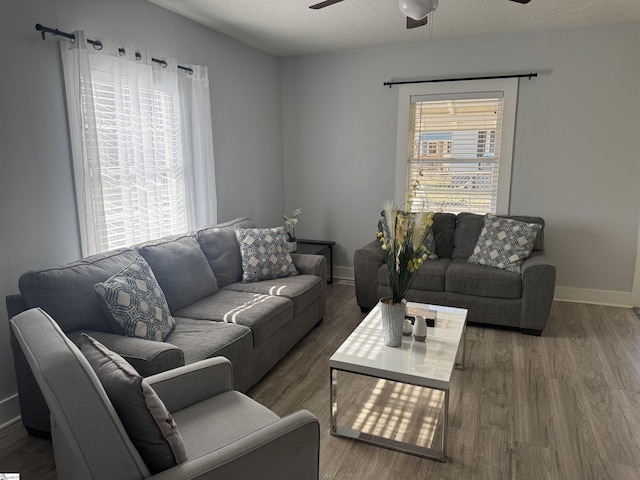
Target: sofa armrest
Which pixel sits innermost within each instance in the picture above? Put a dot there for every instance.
(308, 264)
(538, 285)
(185, 386)
(148, 357)
(287, 448)
(366, 263)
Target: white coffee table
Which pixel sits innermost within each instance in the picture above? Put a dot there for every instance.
(429, 366)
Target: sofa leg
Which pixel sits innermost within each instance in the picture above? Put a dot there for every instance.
(531, 331)
(34, 432)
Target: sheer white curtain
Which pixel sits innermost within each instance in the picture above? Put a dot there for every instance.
(141, 143)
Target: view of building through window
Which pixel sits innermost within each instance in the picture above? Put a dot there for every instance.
(454, 153)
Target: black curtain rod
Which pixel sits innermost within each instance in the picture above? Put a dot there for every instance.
(437, 80)
(98, 44)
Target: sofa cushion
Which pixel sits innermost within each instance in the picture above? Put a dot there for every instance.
(444, 227)
(134, 301)
(66, 292)
(468, 227)
(181, 269)
(200, 339)
(302, 290)
(220, 247)
(429, 277)
(504, 243)
(467, 278)
(224, 411)
(144, 416)
(263, 314)
(264, 254)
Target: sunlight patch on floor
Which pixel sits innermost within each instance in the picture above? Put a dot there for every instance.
(397, 411)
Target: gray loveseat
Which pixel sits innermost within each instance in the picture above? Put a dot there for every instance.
(252, 324)
(492, 295)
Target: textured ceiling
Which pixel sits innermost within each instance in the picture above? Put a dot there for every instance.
(289, 27)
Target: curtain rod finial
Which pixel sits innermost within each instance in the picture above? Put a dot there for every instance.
(40, 28)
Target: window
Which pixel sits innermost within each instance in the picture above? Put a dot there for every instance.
(455, 142)
(141, 142)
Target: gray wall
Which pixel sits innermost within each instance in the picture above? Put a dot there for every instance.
(576, 161)
(38, 226)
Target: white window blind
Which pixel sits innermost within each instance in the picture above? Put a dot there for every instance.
(454, 151)
(138, 165)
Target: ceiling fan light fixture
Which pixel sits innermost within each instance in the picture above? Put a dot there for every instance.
(417, 9)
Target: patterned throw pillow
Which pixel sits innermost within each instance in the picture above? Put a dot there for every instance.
(136, 304)
(144, 416)
(264, 254)
(504, 243)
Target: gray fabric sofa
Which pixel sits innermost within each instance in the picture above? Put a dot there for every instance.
(493, 296)
(253, 325)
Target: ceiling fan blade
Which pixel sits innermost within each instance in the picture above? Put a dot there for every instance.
(411, 23)
(521, 1)
(320, 5)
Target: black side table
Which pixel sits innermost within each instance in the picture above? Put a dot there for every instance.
(318, 247)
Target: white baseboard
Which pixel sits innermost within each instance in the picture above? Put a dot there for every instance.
(9, 411)
(343, 273)
(597, 297)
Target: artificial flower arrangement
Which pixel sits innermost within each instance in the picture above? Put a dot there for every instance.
(290, 224)
(402, 238)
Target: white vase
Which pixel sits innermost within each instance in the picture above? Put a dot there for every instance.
(292, 246)
(392, 321)
(407, 328)
(420, 328)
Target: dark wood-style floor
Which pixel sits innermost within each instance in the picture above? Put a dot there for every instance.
(562, 406)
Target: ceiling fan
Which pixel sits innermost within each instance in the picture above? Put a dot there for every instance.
(416, 11)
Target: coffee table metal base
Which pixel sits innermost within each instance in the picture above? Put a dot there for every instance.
(425, 365)
(380, 441)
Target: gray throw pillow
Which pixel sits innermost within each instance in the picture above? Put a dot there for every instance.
(504, 243)
(144, 416)
(135, 302)
(264, 254)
